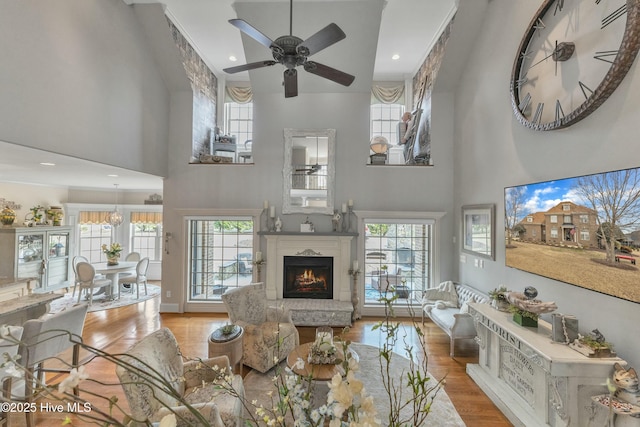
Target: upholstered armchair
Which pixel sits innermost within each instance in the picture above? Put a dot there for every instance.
(269, 332)
(189, 382)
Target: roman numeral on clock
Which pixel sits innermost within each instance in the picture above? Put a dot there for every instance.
(585, 89)
(538, 116)
(606, 55)
(559, 112)
(613, 16)
(525, 103)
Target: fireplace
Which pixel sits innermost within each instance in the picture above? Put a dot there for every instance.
(308, 277)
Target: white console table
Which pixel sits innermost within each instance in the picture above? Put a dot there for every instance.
(532, 380)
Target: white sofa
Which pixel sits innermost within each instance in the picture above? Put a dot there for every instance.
(455, 321)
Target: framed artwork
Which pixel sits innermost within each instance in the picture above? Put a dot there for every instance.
(478, 230)
(583, 230)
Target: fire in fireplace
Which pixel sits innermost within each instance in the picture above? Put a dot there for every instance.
(308, 277)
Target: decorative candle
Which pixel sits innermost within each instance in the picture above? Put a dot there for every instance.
(272, 212)
(258, 256)
(350, 202)
(344, 208)
(355, 265)
(265, 204)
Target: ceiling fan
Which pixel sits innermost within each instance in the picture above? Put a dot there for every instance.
(292, 51)
(311, 169)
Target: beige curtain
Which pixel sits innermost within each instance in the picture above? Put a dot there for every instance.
(387, 93)
(93, 217)
(241, 95)
(146, 217)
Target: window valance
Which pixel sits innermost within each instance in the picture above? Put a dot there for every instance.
(387, 93)
(146, 217)
(93, 217)
(239, 94)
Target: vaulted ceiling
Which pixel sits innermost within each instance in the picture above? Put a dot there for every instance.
(375, 29)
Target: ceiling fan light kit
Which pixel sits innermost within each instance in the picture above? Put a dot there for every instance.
(292, 51)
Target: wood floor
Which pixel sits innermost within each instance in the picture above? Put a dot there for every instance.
(116, 330)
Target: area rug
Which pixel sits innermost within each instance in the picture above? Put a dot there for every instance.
(100, 303)
(443, 413)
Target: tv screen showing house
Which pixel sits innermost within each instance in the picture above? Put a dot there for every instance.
(584, 231)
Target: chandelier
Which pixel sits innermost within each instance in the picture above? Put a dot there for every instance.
(114, 217)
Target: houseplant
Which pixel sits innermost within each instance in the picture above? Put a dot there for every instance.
(498, 298)
(523, 317)
(112, 252)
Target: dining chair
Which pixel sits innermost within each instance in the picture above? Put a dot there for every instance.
(74, 263)
(87, 280)
(141, 277)
(246, 152)
(44, 339)
(8, 349)
(133, 256)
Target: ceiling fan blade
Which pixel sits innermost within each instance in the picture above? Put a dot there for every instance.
(329, 73)
(249, 30)
(290, 83)
(251, 66)
(324, 38)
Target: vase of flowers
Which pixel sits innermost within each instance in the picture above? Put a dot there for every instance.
(112, 252)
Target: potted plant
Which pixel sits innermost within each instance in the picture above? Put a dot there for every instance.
(523, 317)
(593, 347)
(498, 298)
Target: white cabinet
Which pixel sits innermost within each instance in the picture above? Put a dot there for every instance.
(41, 252)
(533, 380)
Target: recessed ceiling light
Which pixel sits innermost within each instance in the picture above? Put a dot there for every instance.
(395, 56)
(47, 164)
(233, 58)
(113, 175)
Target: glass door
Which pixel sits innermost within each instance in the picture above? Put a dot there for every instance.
(57, 257)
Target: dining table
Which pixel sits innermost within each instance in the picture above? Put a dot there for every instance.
(112, 272)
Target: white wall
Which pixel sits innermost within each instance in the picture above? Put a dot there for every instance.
(78, 78)
(493, 151)
(244, 186)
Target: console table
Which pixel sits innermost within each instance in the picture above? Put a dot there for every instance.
(531, 379)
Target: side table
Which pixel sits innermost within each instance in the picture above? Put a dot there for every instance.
(231, 347)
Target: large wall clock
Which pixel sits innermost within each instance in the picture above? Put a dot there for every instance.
(572, 57)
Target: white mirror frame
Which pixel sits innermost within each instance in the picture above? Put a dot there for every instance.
(287, 172)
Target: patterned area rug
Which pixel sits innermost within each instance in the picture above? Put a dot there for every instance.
(100, 303)
(443, 413)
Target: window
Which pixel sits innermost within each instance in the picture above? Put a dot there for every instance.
(584, 219)
(567, 219)
(529, 219)
(238, 121)
(553, 219)
(534, 233)
(92, 237)
(554, 233)
(566, 207)
(384, 120)
(220, 256)
(146, 239)
(584, 235)
(397, 256)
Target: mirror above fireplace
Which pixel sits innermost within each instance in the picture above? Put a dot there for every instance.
(309, 170)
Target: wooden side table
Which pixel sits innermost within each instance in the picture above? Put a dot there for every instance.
(232, 348)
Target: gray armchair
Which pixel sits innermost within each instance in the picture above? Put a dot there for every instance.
(269, 332)
(150, 398)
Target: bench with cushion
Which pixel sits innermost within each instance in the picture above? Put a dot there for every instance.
(452, 316)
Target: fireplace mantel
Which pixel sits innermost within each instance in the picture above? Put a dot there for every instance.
(336, 245)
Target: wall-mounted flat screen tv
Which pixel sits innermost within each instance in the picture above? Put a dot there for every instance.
(584, 231)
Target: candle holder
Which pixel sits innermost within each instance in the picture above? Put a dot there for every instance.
(259, 265)
(355, 314)
(264, 219)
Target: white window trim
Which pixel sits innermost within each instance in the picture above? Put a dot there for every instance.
(408, 217)
(187, 215)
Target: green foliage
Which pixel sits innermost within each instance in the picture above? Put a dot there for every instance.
(499, 293)
(523, 313)
(237, 226)
(378, 229)
(590, 342)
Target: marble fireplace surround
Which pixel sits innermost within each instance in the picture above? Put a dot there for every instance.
(309, 312)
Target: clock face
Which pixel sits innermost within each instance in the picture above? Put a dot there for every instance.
(573, 56)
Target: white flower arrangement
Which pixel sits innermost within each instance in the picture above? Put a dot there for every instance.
(323, 351)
